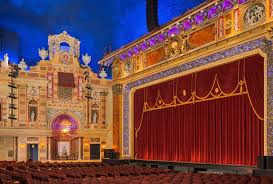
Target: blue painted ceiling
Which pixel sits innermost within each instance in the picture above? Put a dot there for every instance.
(26, 24)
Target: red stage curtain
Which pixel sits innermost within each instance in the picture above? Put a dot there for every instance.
(208, 128)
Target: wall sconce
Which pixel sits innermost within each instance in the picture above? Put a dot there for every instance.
(103, 146)
(86, 145)
(42, 145)
(21, 146)
(114, 147)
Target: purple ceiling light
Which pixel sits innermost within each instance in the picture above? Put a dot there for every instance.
(199, 18)
(130, 52)
(144, 46)
(173, 31)
(136, 49)
(122, 56)
(152, 41)
(212, 12)
(242, 1)
(161, 37)
(227, 5)
(187, 24)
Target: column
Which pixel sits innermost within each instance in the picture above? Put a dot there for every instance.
(48, 148)
(15, 148)
(79, 148)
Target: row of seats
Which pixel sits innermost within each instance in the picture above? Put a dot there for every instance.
(92, 173)
(36, 172)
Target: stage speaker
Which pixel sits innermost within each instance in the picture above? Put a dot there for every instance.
(114, 155)
(151, 14)
(197, 170)
(261, 162)
(269, 162)
(108, 153)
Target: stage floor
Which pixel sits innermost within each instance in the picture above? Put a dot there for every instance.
(186, 166)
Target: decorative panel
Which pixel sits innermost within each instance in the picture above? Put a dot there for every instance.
(202, 37)
(50, 86)
(65, 94)
(80, 87)
(236, 20)
(155, 56)
(33, 92)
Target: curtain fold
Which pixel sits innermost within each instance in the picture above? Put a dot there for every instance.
(223, 128)
(255, 83)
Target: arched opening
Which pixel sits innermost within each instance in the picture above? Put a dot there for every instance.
(65, 143)
(64, 47)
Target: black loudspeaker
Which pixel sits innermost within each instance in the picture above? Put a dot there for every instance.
(151, 14)
(265, 162)
(115, 155)
(261, 164)
(108, 153)
(269, 162)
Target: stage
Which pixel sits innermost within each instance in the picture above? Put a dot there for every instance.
(194, 167)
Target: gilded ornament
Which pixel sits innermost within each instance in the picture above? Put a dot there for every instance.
(254, 14)
(43, 53)
(86, 59)
(103, 74)
(184, 92)
(22, 65)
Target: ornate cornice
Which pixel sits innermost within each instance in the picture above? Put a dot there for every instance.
(206, 13)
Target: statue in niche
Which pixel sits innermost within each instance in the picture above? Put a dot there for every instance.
(33, 116)
(94, 116)
(33, 106)
(64, 152)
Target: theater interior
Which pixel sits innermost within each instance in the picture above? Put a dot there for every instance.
(136, 91)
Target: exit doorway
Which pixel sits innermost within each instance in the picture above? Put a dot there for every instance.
(94, 151)
(32, 152)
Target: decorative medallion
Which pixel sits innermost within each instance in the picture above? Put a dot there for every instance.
(65, 58)
(228, 24)
(254, 14)
(32, 92)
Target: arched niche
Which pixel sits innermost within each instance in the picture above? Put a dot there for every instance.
(64, 46)
(32, 111)
(95, 111)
